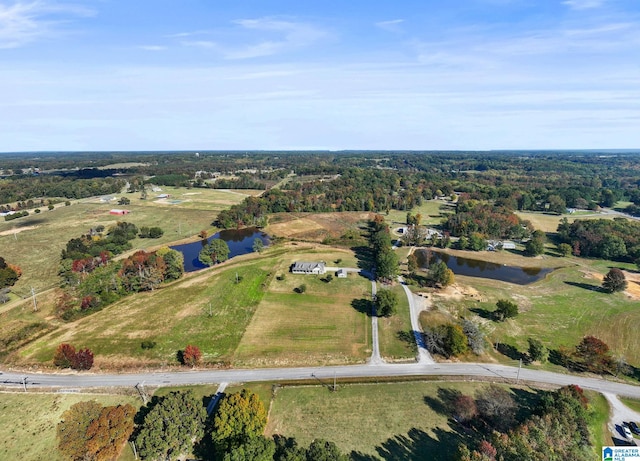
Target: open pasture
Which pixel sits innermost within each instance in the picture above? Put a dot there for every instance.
(316, 226)
(34, 242)
(558, 310)
(326, 324)
(28, 429)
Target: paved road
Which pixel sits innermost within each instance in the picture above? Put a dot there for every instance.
(468, 370)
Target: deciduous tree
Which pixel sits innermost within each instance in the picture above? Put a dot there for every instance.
(64, 356)
(107, 435)
(191, 356)
(72, 430)
(505, 309)
(214, 252)
(614, 281)
(239, 417)
(386, 301)
(171, 426)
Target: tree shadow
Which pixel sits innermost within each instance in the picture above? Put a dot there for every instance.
(527, 402)
(585, 286)
(417, 445)
(363, 305)
(364, 257)
(406, 337)
(484, 313)
(510, 351)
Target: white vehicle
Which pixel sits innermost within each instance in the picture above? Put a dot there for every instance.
(627, 432)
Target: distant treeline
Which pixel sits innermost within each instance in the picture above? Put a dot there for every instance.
(539, 181)
(23, 189)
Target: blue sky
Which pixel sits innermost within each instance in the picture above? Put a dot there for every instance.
(260, 74)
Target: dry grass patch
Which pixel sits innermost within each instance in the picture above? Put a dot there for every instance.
(315, 226)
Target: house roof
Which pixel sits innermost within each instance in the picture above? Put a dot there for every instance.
(307, 266)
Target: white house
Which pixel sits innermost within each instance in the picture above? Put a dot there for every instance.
(308, 268)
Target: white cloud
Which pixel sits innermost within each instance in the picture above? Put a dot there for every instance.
(584, 4)
(25, 22)
(390, 26)
(290, 35)
(152, 47)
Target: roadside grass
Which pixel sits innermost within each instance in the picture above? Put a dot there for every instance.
(207, 309)
(38, 239)
(390, 421)
(599, 417)
(634, 404)
(558, 310)
(394, 333)
(28, 429)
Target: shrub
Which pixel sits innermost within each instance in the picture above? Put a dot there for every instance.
(148, 344)
(505, 309)
(191, 356)
(301, 289)
(83, 360)
(64, 356)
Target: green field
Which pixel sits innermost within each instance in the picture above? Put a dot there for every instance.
(28, 429)
(390, 421)
(34, 242)
(395, 334)
(432, 211)
(323, 325)
(207, 309)
(254, 319)
(558, 310)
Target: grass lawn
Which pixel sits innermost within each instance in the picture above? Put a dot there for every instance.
(395, 333)
(28, 429)
(390, 421)
(34, 243)
(599, 412)
(317, 227)
(320, 326)
(548, 222)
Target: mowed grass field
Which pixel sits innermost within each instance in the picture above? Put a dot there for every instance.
(207, 309)
(394, 333)
(254, 319)
(34, 243)
(558, 310)
(323, 325)
(432, 211)
(391, 421)
(28, 429)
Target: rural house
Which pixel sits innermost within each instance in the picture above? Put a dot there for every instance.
(308, 268)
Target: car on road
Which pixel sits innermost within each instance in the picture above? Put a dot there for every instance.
(626, 431)
(634, 427)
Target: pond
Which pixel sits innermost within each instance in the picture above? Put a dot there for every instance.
(240, 242)
(488, 270)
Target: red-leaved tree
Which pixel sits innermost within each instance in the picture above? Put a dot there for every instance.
(64, 356)
(191, 355)
(83, 360)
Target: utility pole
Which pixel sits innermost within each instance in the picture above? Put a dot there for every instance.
(24, 383)
(35, 302)
(334, 382)
(519, 368)
(143, 394)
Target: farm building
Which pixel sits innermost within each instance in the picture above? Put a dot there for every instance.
(308, 268)
(341, 274)
(116, 211)
(163, 196)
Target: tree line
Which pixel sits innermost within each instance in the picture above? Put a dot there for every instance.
(173, 426)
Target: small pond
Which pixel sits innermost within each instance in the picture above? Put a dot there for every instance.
(240, 242)
(478, 268)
